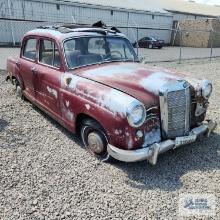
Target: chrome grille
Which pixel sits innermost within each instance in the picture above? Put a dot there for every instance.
(176, 113)
(175, 109)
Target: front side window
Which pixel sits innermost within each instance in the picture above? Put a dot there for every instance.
(91, 50)
(48, 53)
(29, 51)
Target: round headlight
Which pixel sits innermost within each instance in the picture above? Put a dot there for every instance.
(206, 89)
(136, 114)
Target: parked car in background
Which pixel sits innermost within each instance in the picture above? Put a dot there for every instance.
(150, 42)
(90, 80)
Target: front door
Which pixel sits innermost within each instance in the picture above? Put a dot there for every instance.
(47, 77)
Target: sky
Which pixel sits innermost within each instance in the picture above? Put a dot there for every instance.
(217, 2)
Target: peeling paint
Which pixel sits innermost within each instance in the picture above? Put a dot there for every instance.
(116, 71)
(52, 91)
(108, 98)
(155, 81)
(70, 115)
(118, 132)
(130, 143)
(87, 106)
(116, 102)
(67, 104)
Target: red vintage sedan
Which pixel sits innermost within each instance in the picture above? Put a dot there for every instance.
(90, 80)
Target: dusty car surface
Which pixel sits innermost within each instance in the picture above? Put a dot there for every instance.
(89, 79)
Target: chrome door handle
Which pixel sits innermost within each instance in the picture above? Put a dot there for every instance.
(17, 63)
(34, 70)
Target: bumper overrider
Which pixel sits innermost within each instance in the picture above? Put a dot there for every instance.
(151, 153)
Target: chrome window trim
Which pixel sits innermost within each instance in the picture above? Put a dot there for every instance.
(47, 65)
(28, 59)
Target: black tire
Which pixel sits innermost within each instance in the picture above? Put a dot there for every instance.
(94, 139)
(160, 47)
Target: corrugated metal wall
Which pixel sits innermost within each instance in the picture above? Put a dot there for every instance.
(68, 12)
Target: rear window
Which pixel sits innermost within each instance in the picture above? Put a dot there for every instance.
(30, 51)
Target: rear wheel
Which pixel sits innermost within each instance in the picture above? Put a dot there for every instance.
(94, 139)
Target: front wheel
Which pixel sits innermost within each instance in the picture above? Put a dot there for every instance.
(94, 139)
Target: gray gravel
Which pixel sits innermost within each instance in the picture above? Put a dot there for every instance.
(46, 174)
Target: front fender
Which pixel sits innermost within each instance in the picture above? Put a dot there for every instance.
(106, 105)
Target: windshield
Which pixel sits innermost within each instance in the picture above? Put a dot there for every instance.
(91, 50)
(153, 38)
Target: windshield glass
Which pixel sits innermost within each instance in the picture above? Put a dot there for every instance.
(153, 38)
(91, 50)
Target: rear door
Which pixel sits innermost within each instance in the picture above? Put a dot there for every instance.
(47, 79)
(27, 64)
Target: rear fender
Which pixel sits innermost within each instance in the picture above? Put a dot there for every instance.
(14, 72)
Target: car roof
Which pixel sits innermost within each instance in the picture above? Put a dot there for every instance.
(62, 32)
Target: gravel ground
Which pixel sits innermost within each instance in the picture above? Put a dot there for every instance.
(46, 174)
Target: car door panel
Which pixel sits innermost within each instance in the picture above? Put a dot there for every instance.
(47, 78)
(47, 81)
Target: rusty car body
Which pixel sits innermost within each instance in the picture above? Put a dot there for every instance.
(89, 79)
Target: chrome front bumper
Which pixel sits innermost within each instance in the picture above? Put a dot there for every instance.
(151, 153)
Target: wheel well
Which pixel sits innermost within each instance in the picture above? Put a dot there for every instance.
(13, 80)
(82, 117)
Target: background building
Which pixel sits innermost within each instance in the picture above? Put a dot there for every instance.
(134, 18)
(182, 10)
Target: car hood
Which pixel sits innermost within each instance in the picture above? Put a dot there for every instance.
(140, 81)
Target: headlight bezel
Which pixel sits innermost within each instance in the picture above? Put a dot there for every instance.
(133, 107)
(206, 84)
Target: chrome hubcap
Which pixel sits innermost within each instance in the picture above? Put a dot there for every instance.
(95, 143)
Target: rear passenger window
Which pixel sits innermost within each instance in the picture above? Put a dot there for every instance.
(49, 54)
(30, 49)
